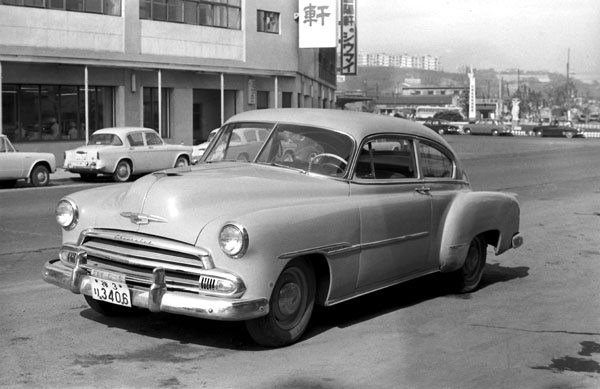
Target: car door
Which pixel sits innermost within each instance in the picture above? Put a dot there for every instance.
(395, 213)
(162, 157)
(442, 181)
(11, 163)
(138, 152)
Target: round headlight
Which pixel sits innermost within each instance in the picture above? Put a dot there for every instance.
(67, 214)
(233, 240)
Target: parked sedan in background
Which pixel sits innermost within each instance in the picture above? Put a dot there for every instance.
(487, 127)
(198, 150)
(558, 128)
(16, 165)
(441, 126)
(264, 240)
(125, 151)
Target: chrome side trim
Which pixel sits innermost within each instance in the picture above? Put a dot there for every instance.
(344, 247)
(394, 240)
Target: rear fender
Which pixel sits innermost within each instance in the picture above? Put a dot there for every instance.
(472, 214)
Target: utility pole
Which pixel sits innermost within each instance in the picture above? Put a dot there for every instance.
(567, 102)
(568, 60)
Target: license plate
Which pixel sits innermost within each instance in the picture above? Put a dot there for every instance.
(110, 287)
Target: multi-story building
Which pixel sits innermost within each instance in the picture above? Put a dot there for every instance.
(426, 62)
(180, 67)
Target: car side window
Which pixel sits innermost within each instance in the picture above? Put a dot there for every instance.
(153, 139)
(386, 158)
(135, 139)
(434, 162)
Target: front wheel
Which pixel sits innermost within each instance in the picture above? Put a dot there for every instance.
(468, 131)
(468, 277)
(40, 176)
(495, 133)
(290, 307)
(569, 134)
(122, 172)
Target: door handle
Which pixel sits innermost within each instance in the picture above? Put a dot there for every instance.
(423, 190)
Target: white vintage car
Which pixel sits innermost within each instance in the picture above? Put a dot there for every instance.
(320, 214)
(16, 165)
(125, 151)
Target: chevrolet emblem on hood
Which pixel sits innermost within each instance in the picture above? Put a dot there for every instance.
(140, 218)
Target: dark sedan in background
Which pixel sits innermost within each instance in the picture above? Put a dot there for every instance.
(441, 126)
(558, 128)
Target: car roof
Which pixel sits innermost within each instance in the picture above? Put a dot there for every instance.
(356, 124)
(121, 131)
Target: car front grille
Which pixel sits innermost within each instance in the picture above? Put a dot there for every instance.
(136, 256)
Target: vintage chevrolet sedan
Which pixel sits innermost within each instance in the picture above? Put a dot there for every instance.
(125, 151)
(333, 205)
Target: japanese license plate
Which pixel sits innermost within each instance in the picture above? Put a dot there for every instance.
(110, 287)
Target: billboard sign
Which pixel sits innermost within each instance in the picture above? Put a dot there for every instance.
(317, 22)
(348, 40)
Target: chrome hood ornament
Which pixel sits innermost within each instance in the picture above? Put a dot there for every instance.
(142, 219)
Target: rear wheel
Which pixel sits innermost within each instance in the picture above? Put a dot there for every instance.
(40, 176)
(181, 162)
(122, 172)
(569, 134)
(290, 307)
(468, 131)
(495, 133)
(468, 277)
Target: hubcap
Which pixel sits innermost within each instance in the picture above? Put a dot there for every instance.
(290, 297)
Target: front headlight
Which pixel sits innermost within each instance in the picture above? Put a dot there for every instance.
(234, 240)
(67, 214)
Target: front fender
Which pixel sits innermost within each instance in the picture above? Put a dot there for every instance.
(474, 213)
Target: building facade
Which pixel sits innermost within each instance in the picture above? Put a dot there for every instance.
(181, 67)
(426, 62)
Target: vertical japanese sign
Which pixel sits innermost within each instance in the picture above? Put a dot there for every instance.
(348, 38)
(317, 21)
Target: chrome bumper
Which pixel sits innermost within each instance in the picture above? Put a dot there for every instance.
(158, 299)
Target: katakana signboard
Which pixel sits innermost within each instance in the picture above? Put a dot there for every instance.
(348, 38)
(317, 20)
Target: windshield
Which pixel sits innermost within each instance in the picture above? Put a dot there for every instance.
(105, 139)
(310, 149)
(307, 148)
(239, 142)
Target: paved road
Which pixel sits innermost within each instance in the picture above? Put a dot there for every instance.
(535, 323)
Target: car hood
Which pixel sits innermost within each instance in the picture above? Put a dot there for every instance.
(179, 203)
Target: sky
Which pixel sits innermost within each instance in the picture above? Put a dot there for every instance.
(499, 34)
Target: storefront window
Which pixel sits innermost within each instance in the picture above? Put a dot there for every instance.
(33, 113)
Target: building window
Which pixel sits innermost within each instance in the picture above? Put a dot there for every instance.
(267, 22)
(33, 113)
(215, 13)
(105, 7)
(151, 110)
(262, 99)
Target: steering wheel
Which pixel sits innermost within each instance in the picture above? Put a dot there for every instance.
(332, 165)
